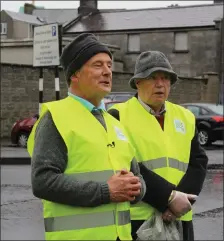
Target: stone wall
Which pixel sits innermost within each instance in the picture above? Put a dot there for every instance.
(19, 91)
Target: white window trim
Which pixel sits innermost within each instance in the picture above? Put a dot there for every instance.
(3, 26)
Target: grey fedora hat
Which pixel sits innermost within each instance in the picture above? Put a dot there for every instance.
(149, 62)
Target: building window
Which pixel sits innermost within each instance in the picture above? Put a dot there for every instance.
(133, 43)
(3, 28)
(181, 42)
(30, 30)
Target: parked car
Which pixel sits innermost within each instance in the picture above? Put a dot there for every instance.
(111, 103)
(119, 96)
(21, 130)
(209, 121)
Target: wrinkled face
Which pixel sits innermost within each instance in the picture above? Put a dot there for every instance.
(155, 90)
(94, 79)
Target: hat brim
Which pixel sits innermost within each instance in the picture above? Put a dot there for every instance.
(148, 72)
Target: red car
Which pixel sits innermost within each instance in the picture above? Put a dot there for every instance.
(21, 130)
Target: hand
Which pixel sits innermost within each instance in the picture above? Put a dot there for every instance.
(168, 216)
(179, 204)
(129, 174)
(124, 186)
(126, 172)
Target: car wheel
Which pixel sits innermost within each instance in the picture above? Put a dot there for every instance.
(22, 139)
(203, 138)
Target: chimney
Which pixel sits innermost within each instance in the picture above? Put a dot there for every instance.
(218, 1)
(28, 8)
(87, 6)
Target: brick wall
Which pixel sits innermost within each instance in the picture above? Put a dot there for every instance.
(19, 91)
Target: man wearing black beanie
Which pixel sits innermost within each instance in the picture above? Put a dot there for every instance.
(79, 51)
(83, 165)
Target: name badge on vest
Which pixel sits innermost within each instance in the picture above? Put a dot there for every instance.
(120, 134)
(179, 126)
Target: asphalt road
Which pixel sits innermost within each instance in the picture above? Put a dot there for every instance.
(21, 212)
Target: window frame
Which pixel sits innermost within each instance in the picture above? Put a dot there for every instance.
(4, 26)
(174, 42)
(194, 106)
(203, 109)
(128, 41)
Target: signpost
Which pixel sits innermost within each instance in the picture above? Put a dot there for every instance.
(47, 46)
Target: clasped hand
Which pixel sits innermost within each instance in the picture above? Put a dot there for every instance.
(124, 186)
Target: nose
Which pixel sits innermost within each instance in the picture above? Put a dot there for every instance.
(107, 70)
(159, 81)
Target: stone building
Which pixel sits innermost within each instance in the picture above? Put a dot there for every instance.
(17, 25)
(189, 35)
(192, 37)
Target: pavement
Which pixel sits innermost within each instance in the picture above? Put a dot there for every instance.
(11, 154)
(21, 212)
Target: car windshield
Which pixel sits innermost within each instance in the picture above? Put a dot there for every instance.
(218, 109)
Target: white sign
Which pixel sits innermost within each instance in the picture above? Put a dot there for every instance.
(46, 45)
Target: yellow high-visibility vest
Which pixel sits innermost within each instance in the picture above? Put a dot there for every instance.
(90, 158)
(165, 152)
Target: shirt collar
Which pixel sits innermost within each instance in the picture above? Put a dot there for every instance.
(150, 110)
(86, 103)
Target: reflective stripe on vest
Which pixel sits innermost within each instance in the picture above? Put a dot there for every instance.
(89, 220)
(162, 162)
(98, 176)
(181, 166)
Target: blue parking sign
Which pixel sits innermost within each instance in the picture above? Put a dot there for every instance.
(54, 31)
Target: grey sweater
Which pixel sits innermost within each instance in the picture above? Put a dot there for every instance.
(49, 182)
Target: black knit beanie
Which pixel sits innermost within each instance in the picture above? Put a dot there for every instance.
(79, 51)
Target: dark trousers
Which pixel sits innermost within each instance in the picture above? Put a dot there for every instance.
(188, 229)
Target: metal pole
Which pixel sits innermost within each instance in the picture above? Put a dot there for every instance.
(57, 80)
(41, 88)
(57, 84)
(221, 98)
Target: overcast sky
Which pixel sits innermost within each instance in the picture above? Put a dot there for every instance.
(15, 5)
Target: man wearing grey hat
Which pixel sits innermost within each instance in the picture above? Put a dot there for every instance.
(171, 160)
(83, 165)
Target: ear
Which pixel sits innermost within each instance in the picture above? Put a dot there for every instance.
(75, 77)
(137, 83)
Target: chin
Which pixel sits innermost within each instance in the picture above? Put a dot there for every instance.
(106, 90)
(160, 101)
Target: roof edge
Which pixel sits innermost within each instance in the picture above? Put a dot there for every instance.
(159, 8)
(145, 29)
